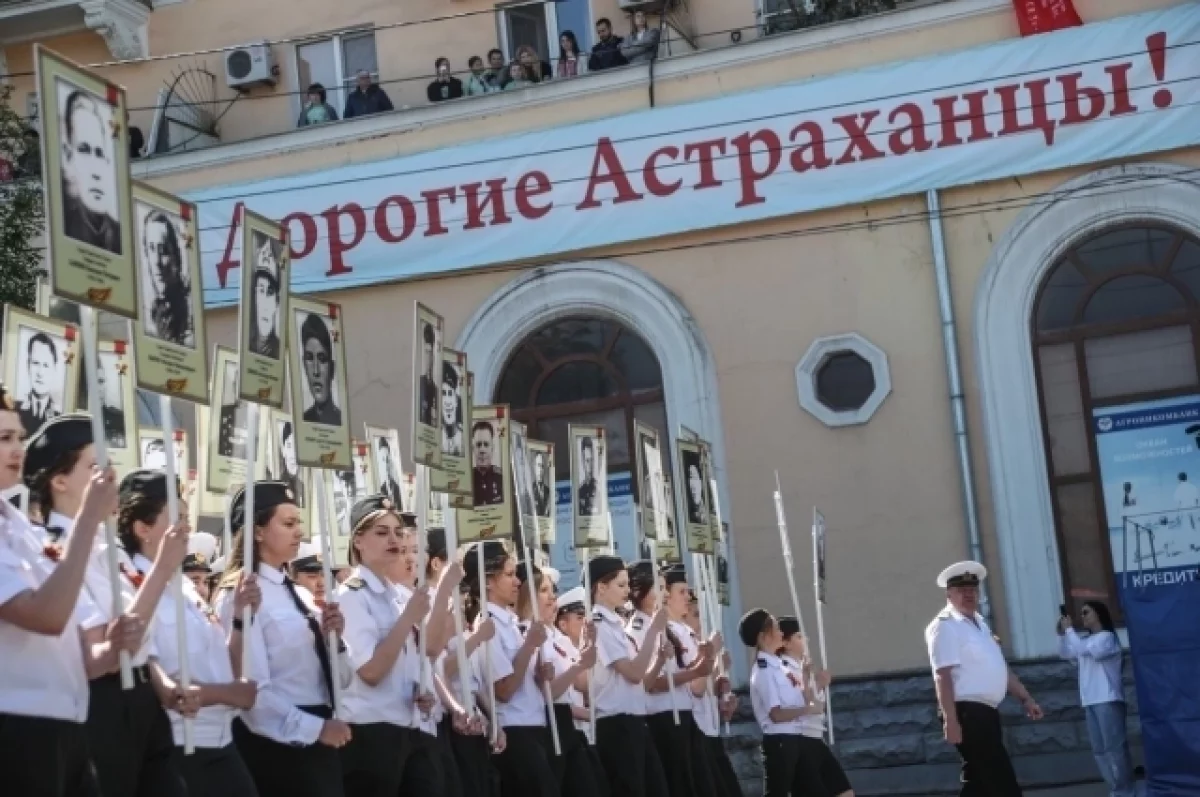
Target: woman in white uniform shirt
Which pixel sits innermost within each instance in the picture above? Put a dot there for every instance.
(214, 768)
(43, 684)
(471, 745)
(622, 737)
(717, 757)
(1098, 655)
(289, 740)
(129, 735)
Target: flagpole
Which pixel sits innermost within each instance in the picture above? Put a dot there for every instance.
(786, 547)
(328, 527)
(185, 667)
(818, 599)
(422, 497)
(248, 568)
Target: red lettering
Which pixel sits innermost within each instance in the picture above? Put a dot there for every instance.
(650, 172)
(707, 150)
(749, 175)
(1073, 93)
(494, 198)
(856, 128)
(613, 173)
(433, 208)
(911, 137)
(308, 231)
(1040, 118)
(338, 246)
(811, 153)
(408, 215)
(531, 185)
(976, 116)
(227, 262)
(1119, 74)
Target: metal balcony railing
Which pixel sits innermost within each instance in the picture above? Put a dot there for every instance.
(780, 16)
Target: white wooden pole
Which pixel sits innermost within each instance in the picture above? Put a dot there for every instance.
(422, 491)
(484, 614)
(587, 604)
(248, 568)
(185, 667)
(328, 526)
(820, 604)
(786, 547)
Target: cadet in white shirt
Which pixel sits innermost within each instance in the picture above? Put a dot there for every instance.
(528, 766)
(972, 678)
(289, 740)
(724, 778)
(572, 626)
(1099, 656)
(473, 750)
(622, 737)
(777, 697)
(214, 768)
(308, 571)
(129, 735)
(43, 684)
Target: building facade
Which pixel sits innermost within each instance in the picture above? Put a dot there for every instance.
(898, 259)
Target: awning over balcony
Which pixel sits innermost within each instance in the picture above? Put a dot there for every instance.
(122, 23)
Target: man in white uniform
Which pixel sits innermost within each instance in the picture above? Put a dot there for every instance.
(972, 678)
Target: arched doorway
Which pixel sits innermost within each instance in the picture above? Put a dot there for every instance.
(1117, 321)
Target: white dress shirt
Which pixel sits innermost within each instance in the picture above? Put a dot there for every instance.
(207, 655)
(283, 662)
(811, 725)
(455, 682)
(613, 694)
(1099, 658)
(773, 686)
(40, 676)
(561, 652)
(681, 695)
(527, 707)
(980, 672)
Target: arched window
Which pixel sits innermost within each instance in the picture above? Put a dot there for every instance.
(587, 371)
(1116, 321)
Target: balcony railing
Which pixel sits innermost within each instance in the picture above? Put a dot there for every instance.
(780, 16)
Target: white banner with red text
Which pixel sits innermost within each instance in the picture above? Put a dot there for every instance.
(1105, 91)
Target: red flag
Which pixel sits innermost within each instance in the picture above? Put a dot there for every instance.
(1043, 16)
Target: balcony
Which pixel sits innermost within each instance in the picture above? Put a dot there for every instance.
(781, 16)
(121, 23)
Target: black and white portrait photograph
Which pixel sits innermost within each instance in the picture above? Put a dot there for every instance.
(41, 375)
(289, 467)
(427, 364)
(697, 493)
(522, 477)
(543, 484)
(88, 165)
(453, 383)
(264, 332)
(487, 471)
(386, 453)
(428, 389)
(164, 276)
(231, 433)
(154, 453)
(590, 454)
(319, 385)
(111, 376)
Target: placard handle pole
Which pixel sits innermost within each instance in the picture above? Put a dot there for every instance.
(185, 667)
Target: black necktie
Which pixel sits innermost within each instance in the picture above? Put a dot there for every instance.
(315, 627)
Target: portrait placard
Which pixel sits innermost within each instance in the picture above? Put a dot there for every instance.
(668, 550)
(427, 378)
(41, 366)
(819, 552)
(362, 468)
(169, 341)
(651, 499)
(491, 477)
(227, 430)
(589, 485)
(386, 464)
(541, 465)
(263, 311)
(336, 524)
(212, 501)
(697, 525)
(454, 476)
(522, 476)
(408, 489)
(436, 517)
(714, 503)
(152, 451)
(285, 466)
(723, 565)
(118, 403)
(318, 368)
(85, 175)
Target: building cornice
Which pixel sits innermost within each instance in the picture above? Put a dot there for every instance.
(122, 25)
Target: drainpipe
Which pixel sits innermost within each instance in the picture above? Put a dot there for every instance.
(958, 409)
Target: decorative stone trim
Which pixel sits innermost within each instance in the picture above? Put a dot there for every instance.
(122, 24)
(817, 355)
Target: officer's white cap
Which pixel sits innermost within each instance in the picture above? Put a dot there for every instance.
(552, 574)
(962, 574)
(308, 549)
(571, 597)
(202, 542)
(218, 565)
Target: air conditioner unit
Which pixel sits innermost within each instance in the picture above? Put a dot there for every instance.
(248, 66)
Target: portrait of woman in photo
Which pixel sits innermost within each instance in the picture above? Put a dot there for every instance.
(697, 506)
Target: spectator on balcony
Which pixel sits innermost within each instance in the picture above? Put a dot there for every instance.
(497, 74)
(481, 81)
(606, 53)
(316, 110)
(445, 86)
(518, 76)
(641, 46)
(571, 62)
(536, 70)
(367, 98)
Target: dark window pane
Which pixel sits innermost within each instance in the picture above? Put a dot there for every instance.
(516, 384)
(1126, 249)
(1082, 540)
(572, 336)
(1186, 267)
(633, 359)
(577, 381)
(1060, 296)
(1131, 298)
(845, 381)
(616, 432)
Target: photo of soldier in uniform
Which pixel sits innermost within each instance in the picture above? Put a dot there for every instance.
(522, 478)
(289, 467)
(589, 504)
(165, 277)
(88, 165)
(41, 378)
(319, 365)
(112, 399)
(428, 390)
(388, 470)
(696, 494)
(264, 307)
(452, 410)
(231, 434)
(487, 475)
(154, 453)
(543, 491)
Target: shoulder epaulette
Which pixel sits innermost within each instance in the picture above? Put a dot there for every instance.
(355, 583)
(762, 664)
(637, 624)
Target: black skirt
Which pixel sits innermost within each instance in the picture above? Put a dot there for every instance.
(527, 766)
(580, 776)
(43, 757)
(312, 770)
(473, 758)
(130, 740)
(215, 772)
(629, 756)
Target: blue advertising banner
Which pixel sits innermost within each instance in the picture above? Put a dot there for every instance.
(1150, 467)
(563, 556)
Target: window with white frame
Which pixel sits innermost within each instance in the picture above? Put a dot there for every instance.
(333, 62)
(533, 24)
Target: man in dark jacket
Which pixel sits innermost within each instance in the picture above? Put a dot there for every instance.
(367, 98)
(606, 53)
(445, 86)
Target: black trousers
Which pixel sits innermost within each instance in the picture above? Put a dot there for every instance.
(42, 757)
(579, 777)
(724, 778)
(630, 757)
(215, 772)
(130, 741)
(422, 774)
(528, 766)
(452, 785)
(986, 769)
(473, 757)
(296, 771)
(788, 770)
